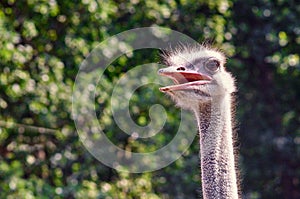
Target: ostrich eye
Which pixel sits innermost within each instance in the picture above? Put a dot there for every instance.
(212, 65)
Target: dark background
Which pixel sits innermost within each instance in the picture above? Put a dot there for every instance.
(42, 44)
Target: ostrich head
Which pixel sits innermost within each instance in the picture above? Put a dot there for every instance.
(199, 75)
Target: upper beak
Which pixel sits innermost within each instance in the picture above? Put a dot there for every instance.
(184, 80)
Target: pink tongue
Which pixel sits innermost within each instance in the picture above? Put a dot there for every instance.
(184, 77)
(185, 86)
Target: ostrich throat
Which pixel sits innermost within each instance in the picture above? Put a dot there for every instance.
(219, 179)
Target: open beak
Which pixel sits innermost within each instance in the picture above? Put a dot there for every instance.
(184, 80)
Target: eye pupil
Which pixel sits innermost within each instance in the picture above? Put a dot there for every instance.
(212, 65)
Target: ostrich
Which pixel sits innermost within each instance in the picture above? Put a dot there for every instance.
(203, 86)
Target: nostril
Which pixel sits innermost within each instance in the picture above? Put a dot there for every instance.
(181, 69)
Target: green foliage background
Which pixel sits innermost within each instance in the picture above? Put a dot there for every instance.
(42, 44)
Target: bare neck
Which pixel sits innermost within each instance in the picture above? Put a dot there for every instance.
(216, 149)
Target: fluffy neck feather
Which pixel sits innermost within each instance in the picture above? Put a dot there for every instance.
(216, 149)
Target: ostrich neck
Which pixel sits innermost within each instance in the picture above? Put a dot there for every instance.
(216, 149)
